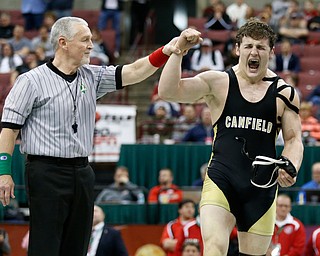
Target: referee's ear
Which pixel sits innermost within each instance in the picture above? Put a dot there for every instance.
(62, 42)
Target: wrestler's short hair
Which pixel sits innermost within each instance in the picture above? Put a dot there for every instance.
(257, 30)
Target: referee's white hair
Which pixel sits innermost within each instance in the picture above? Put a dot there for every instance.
(64, 27)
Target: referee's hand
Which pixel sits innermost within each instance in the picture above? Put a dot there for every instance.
(6, 189)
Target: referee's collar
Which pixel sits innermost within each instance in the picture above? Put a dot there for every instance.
(68, 78)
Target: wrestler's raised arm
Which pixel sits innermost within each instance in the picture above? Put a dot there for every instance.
(171, 87)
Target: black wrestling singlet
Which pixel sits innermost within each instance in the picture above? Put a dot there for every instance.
(244, 131)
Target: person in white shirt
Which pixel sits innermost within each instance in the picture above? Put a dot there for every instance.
(104, 240)
(237, 11)
(8, 59)
(206, 58)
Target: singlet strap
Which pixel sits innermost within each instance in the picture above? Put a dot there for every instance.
(232, 76)
(271, 79)
(285, 99)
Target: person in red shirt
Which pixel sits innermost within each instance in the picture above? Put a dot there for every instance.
(178, 230)
(313, 245)
(289, 235)
(166, 191)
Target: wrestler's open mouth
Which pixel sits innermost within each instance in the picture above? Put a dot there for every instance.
(253, 64)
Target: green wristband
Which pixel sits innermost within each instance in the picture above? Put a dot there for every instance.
(5, 164)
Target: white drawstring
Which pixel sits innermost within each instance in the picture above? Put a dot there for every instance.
(264, 160)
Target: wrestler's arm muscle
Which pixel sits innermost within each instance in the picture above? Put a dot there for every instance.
(291, 129)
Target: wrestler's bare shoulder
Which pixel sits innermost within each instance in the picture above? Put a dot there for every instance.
(214, 78)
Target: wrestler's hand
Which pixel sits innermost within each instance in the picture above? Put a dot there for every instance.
(284, 179)
(188, 38)
(170, 47)
(6, 189)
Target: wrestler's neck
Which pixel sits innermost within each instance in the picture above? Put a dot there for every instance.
(251, 79)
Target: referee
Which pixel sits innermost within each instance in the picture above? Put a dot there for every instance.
(53, 106)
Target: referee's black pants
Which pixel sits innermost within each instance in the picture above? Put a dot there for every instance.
(61, 199)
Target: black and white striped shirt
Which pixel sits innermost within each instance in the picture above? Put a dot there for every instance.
(41, 104)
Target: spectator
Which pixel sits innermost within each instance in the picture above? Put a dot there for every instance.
(293, 8)
(185, 122)
(49, 19)
(186, 59)
(219, 20)
(30, 62)
(41, 55)
(104, 240)
(286, 60)
(250, 13)
(8, 59)
(309, 124)
(166, 191)
(43, 40)
(313, 245)
(314, 98)
(309, 10)
(210, 9)
(100, 49)
(111, 9)
(21, 44)
(267, 9)
(5, 248)
(122, 190)
(237, 11)
(314, 183)
(314, 25)
(203, 172)
(184, 227)
(265, 17)
(289, 235)
(293, 27)
(172, 108)
(61, 8)
(33, 13)
(279, 10)
(191, 247)
(160, 125)
(202, 132)
(139, 12)
(6, 27)
(206, 58)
